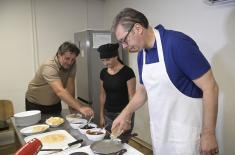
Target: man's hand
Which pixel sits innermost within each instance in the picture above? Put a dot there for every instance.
(208, 144)
(122, 122)
(86, 111)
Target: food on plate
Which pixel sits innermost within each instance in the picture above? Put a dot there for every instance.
(39, 128)
(53, 138)
(55, 121)
(34, 129)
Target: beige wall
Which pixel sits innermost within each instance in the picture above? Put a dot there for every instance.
(31, 31)
(212, 27)
(16, 60)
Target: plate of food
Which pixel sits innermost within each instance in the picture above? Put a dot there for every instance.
(58, 139)
(34, 129)
(55, 121)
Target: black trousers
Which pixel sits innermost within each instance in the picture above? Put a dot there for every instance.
(52, 109)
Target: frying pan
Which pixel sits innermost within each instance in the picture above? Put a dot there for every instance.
(109, 146)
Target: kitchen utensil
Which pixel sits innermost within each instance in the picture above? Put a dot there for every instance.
(27, 118)
(111, 146)
(106, 146)
(126, 138)
(66, 147)
(89, 120)
(121, 152)
(31, 147)
(79, 153)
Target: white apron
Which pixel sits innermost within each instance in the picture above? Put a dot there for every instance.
(175, 119)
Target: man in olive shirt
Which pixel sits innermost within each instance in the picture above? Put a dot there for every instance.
(55, 81)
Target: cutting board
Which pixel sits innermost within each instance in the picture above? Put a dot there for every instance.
(55, 145)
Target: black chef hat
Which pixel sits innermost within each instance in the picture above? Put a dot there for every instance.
(108, 50)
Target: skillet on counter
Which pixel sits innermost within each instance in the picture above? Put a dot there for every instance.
(110, 146)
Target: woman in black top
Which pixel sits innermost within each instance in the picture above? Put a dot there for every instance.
(118, 84)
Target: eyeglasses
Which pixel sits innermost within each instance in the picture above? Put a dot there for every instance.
(124, 40)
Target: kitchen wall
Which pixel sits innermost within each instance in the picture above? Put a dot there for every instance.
(212, 27)
(31, 31)
(16, 60)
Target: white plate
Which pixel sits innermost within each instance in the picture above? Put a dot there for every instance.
(27, 118)
(33, 129)
(54, 125)
(56, 145)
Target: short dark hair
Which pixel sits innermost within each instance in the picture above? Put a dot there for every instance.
(68, 47)
(127, 17)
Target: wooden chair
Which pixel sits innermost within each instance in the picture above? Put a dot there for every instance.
(6, 110)
(7, 135)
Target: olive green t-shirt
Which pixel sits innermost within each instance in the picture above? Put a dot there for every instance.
(39, 91)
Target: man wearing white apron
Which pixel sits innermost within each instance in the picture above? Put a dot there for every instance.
(177, 81)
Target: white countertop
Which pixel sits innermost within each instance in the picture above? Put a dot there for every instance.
(86, 149)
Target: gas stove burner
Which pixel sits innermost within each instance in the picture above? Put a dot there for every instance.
(79, 153)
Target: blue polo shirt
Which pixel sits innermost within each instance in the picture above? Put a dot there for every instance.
(183, 59)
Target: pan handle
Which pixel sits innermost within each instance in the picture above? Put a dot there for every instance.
(128, 137)
(121, 152)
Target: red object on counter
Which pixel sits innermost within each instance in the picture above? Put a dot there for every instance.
(32, 147)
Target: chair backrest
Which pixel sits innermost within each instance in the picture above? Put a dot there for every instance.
(6, 110)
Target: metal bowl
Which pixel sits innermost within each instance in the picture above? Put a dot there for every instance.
(27, 118)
